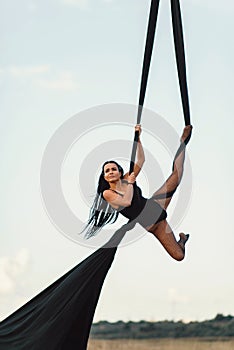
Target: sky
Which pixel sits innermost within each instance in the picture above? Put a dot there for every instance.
(60, 58)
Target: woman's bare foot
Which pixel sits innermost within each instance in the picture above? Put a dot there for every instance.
(183, 239)
(186, 133)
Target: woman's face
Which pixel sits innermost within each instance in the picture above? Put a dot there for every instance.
(111, 172)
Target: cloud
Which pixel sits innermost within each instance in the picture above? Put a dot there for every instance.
(79, 3)
(175, 297)
(11, 268)
(82, 3)
(27, 71)
(41, 76)
(64, 81)
(32, 6)
(215, 5)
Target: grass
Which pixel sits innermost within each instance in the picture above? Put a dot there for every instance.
(163, 344)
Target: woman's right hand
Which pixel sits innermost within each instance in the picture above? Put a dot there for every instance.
(138, 128)
(131, 178)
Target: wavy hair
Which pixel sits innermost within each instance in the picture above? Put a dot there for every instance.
(101, 213)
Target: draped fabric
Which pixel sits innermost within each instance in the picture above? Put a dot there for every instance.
(60, 317)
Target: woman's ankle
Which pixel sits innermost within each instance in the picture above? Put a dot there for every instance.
(183, 239)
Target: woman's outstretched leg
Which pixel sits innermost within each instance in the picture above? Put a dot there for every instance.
(164, 194)
(163, 232)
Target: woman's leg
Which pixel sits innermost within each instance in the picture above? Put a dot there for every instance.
(164, 194)
(163, 232)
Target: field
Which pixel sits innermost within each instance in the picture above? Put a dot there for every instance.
(163, 344)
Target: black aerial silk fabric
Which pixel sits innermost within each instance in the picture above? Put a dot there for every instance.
(145, 72)
(60, 317)
(180, 58)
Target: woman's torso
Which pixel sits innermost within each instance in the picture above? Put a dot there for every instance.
(146, 211)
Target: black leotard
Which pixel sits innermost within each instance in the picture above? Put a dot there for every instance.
(145, 211)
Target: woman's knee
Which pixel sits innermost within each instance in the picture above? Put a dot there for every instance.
(179, 255)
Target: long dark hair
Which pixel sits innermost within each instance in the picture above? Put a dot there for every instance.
(101, 212)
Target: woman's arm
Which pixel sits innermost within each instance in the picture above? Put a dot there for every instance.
(140, 156)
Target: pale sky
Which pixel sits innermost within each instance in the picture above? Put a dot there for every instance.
(61, 57)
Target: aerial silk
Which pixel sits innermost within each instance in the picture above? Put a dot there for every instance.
(60, 317)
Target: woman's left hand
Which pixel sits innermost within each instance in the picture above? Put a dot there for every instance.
(138, 128)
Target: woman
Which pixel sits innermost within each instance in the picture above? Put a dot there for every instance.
(119, 193)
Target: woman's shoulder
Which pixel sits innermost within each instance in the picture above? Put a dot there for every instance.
(110, 193)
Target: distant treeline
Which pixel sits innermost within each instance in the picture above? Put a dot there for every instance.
(220, 326)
